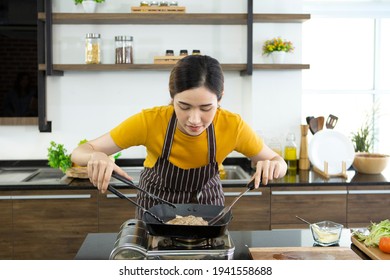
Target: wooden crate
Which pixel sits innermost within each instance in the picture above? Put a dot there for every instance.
(168, 59)
(158, 9)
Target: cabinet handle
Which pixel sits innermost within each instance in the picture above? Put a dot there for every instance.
(64, 196)
(5, 197)
(228, 194)
(131, 195)
(369, 192)
(307, 192)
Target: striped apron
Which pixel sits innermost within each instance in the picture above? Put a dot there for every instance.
(196, 185)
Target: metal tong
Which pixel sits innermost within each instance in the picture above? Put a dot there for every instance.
(131, 183)
(226, 209)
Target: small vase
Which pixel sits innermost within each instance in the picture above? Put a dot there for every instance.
(89, 6)
(278, 56)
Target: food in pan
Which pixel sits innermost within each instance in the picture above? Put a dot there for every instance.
(188, 220)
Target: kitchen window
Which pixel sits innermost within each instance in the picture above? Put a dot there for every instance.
(347, 48)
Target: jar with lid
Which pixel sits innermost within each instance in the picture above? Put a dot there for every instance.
(163, 3)
(92, 48)
(196, 52)
(183, 52)
(144, 4)
(290, 154)
(153, 3)
(169, 53)
(173, 3)
(124, 50)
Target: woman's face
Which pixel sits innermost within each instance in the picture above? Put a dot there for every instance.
(195, 110)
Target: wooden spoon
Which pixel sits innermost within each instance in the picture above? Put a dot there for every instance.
(316, 124)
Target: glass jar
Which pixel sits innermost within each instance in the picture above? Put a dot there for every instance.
(196, 52)
(173, 3)
(124, 50)
(92, 48)
(144, 4)
(169, 53)
(154, 3)
(290, 154)
(183, 52)
(163, 3)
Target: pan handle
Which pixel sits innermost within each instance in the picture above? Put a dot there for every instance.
(122, 196)
(131, 184)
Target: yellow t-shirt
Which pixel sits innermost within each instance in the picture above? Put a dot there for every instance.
(148, 128)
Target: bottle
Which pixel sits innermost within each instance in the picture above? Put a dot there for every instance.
(290, 154)
(92, 48)
(124, 49)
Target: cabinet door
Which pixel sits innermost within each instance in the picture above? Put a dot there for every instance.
(314, 204)
(5, 226)
(52, 224)
(113, 211)
(252, 211)
(367, 204)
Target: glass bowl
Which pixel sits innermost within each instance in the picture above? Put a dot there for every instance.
(326, 233)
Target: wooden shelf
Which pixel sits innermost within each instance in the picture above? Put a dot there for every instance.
(204, 19)
(156, 67)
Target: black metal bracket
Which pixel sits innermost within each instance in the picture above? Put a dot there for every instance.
(43, 123)
(49, 41)
(249, 54)
(45, 56)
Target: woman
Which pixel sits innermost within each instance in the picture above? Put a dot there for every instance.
(186, 141)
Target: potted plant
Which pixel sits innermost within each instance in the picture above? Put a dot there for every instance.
(365, 160)
(88, 5)
(277, 48)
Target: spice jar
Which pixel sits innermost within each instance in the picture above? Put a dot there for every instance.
(163, 3)
(183, 52)
(169, 53)
(196, 52)
(124, 50)
(154, 3)
(92, 48)
(144, 4)
(173, 3)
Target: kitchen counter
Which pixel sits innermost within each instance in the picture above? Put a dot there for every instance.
(98, 246)
(49, 178)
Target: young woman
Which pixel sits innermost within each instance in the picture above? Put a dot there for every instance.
(186, 141)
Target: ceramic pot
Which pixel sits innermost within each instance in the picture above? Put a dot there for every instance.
(89, 6)
(278, 56)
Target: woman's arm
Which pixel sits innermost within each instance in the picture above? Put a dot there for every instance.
(95, 155)
(269, 166)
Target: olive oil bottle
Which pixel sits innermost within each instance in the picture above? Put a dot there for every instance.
(290, 155)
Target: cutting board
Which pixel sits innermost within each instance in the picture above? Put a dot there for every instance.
(303, 253)
(373, 252)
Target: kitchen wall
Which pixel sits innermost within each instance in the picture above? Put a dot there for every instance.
(88, 104)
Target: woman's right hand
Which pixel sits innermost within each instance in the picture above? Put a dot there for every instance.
(100, 168)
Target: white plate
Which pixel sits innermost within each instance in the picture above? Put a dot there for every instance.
(333, 147)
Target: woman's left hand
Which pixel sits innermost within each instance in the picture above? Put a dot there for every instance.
(268, 170)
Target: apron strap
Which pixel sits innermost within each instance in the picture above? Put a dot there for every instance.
(169, 137)
(211, 143)
(168, 141)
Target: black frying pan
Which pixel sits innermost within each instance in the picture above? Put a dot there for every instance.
(166, 213)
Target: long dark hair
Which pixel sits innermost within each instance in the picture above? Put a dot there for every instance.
(195, 71)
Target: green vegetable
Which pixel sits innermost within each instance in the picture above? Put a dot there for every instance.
(116, 156)
(376, 232)
(57, 157)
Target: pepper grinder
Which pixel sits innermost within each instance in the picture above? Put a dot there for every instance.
(304, 163)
